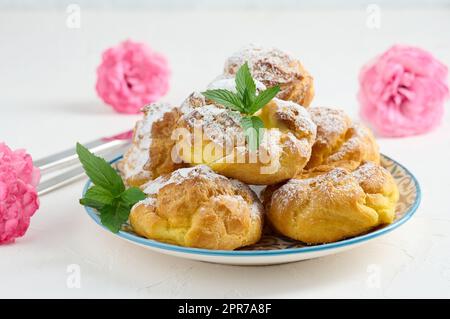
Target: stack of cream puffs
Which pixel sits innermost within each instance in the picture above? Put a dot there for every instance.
(321, 170)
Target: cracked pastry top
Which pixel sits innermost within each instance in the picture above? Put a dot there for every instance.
(284, 151)
(149, 155)
(195, 207)
(340, 142)
(272, 66)
(323, 207)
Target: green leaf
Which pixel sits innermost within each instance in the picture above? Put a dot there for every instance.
(257, 122)
(133, 195)
(113, 216)
(99, 194)
(246, 123)
(100, 172)
(246, 101)
(91, 203)
(245, 85)
(252, 126)
(225, 98)
(263, 98)
(108, 195)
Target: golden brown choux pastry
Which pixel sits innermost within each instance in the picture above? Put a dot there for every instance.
(284, 151)
(340, 142)
(275, 67)
(195, 207)
(149, 156)
(323, 207)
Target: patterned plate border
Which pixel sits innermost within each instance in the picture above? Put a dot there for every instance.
(286, 251)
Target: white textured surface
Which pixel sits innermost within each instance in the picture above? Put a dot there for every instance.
(47, 102)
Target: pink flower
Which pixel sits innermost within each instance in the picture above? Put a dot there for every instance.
(18, 197)
(402, 92)
(132, 75)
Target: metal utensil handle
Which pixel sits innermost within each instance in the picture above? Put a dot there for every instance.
(69, 157)
(73, 174)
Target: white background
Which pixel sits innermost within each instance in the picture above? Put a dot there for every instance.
(48, 102)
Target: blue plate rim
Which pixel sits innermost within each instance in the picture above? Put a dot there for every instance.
(261, 253)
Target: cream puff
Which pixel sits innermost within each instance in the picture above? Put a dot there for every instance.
(323, 207)
(150, 156)
(195, 207)
(273, 67)
(340, 142)
(214, 136)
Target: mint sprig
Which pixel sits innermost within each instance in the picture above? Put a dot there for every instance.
(246, 102)
(108, 195)
(251, 125)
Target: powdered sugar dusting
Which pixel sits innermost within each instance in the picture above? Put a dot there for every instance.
(256, 206)
(283, 195)
(257, 209)
(268, 65)
(229, 84)
(300, 116)
(138, 155)
(366, 171)
(336, 178)
(330, 123)
(179, 176)
(149, 201)
(196, 99)
(219, 125)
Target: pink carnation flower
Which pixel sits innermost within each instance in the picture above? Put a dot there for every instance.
(402, 92)
(18, 197)
(132, 75)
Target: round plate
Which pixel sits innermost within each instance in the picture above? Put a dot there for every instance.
(274, 249)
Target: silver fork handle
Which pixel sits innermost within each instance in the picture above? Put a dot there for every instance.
(109, 148)
(73, 174)
(69, 157)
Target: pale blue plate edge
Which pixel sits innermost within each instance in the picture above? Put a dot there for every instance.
(261, 253)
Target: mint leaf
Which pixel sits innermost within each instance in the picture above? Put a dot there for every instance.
(113, 216)
(100, 172)
(91, 203)
(99, 194)
(246, 123)
(108, 195)
(263, 98)
(245, 85)
(252, 126)
(225, 98)
(132, 195)
(246, 102)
